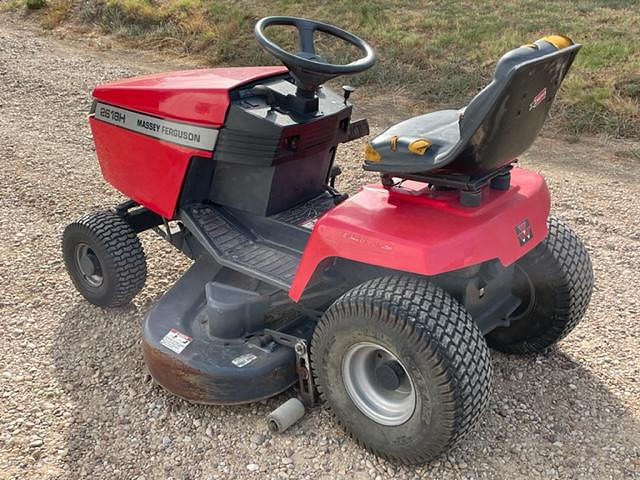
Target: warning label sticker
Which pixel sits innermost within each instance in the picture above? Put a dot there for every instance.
(243, 360)
(176, 341)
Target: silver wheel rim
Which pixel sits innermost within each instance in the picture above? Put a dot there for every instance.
(361, 373)
(89, 265)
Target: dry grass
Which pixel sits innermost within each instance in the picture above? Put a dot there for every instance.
(439, 52)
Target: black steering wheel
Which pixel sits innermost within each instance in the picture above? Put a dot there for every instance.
(309, 69)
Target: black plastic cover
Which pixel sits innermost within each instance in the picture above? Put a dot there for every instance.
(270, 156)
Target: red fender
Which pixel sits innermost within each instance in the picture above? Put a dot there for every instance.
(414, 229)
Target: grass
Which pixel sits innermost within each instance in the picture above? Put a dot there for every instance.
(438, 52)
(35, 4)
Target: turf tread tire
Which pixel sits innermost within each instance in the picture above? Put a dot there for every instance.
(439, 330)
(562, 261)
(121, 255)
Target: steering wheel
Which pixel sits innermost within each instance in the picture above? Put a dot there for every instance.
(308, 68)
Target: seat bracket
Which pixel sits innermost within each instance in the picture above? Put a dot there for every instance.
(469, 187)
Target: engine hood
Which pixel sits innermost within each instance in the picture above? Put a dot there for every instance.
(193, 96)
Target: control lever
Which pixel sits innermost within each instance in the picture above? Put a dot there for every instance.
(303, 364)
(347, 90)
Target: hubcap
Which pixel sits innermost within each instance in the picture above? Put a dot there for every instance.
(88, 265)
(378, 384)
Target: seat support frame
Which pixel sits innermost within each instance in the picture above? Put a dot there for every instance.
(470, 188)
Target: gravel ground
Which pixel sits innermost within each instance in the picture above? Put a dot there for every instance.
(76, 401)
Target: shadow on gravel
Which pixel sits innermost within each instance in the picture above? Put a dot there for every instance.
(124, 426)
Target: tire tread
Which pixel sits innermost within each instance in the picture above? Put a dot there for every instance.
(439, 328)
(566, 262)
(124, 252)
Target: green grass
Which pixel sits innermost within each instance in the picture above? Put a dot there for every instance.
(439, 52)
(35, 4)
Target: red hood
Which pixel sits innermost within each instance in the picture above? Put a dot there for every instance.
(195, 96)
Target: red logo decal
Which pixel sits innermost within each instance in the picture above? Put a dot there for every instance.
(524, 232)
(537, 100)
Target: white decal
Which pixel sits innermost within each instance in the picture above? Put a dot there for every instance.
(176, 341)
(309, 224)
(188, 135)
(243, 360)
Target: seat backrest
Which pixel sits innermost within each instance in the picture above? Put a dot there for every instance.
(504, 119)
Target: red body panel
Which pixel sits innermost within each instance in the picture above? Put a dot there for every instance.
(194, 96)
(416, 230)
(145, 169)
(149, 170)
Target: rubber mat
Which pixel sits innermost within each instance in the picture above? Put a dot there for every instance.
(239, 249)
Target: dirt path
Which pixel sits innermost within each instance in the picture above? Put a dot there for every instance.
(75, 401)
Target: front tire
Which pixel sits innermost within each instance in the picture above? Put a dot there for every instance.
(104, 258)
(402, 366)
(554, 281)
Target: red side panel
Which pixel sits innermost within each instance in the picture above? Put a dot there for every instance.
(194, 96)
(416, 230)
(151, 170)
(145, 169)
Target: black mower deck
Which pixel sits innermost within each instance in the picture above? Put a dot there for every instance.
(268, 249)
(222, 314)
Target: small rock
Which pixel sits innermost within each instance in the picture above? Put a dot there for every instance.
(166, 441)
(252, 467)
(257, 438)
(287, 460)
(36, 442)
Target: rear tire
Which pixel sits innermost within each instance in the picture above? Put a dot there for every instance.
(104, 258)
(556, 281)
(405, 341)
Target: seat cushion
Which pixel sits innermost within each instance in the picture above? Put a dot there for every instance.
(440, 128)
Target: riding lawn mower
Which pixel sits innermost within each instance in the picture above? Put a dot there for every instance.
(383, 304)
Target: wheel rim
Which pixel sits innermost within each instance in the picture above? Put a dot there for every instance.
(88, 265)
(378, 383)
(524, 289)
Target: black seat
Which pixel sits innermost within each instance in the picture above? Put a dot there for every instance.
(499, 124)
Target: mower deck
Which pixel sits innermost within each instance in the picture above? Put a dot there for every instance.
(223, 307)
(216, 313)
